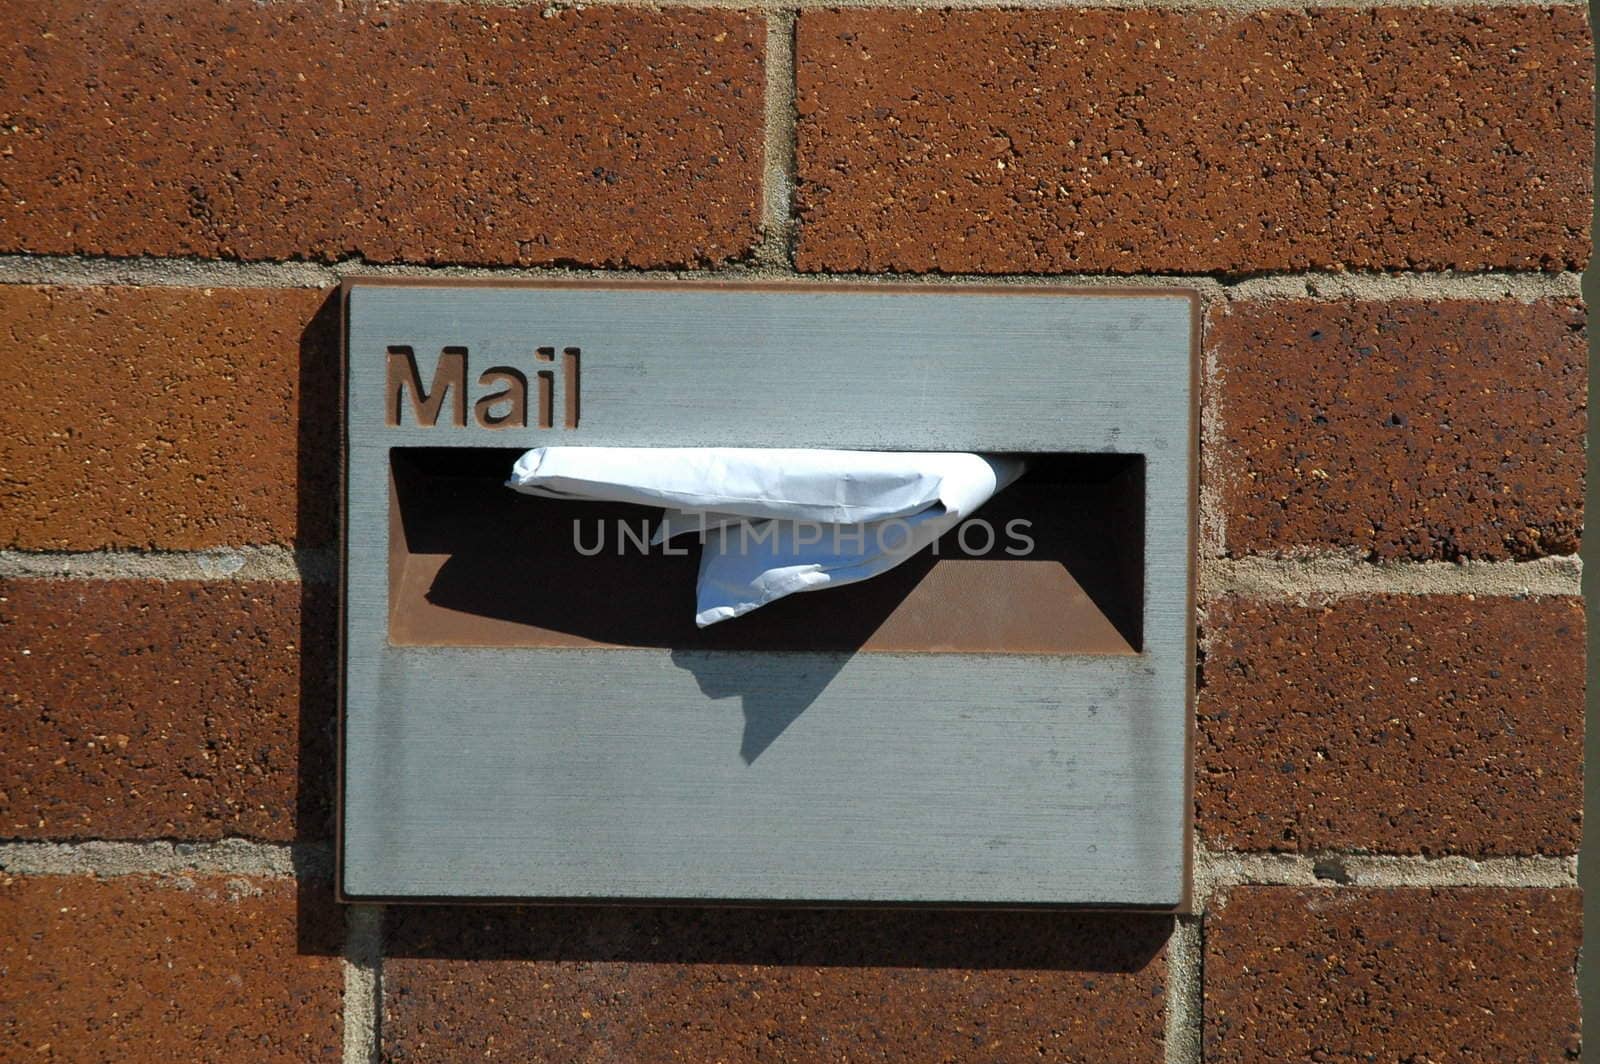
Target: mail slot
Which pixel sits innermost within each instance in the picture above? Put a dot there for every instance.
(531, 712)
(1056, 567)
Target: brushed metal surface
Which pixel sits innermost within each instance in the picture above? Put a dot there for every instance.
(502, 772)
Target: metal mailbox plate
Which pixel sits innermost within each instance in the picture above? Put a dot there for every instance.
(494, 773)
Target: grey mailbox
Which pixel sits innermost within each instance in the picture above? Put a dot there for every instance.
(525, 716)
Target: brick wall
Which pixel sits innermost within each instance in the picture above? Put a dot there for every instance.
(1385, 210)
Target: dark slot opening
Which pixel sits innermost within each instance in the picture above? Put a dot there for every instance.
(473, 563)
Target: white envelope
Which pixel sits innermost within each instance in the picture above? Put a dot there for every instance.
(777, 521)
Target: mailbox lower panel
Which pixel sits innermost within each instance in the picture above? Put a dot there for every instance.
(729, 776)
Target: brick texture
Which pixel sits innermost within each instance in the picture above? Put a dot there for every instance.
(1392, 975)
(748, 986)
(138, 710)
(1193, 142)
(138, 969)
(1146, 141)
(1399, 724)
(1401, 430)
(178, 418)
(224, 128)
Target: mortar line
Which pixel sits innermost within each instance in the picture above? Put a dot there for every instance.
(778, 149)
(1317, 286)
(363, 984)
(224, 563)
(1312, 578)
(1216, 870)
(1524, 287)
(99, 857)
(1185, 991)
(69, 270)
(1325, 577)
(1213, 867)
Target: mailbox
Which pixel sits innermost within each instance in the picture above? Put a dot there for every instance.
(529, 711)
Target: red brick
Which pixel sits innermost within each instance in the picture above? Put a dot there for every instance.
(1392, 975)
(429, 133)
(141, 710)
(1420, 724)
(1149, 141)
(179, 418)
(744, 986)
(142, 969)
(1401, 430)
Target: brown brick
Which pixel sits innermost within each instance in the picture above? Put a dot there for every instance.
(1392, 975)
(744, 986)
(1402, 430)
(1403, 724)
(140, 710)
(429, 133)
(179, 418)
(1193, 142)
(141, 969)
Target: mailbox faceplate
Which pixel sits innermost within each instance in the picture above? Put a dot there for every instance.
(599, 772)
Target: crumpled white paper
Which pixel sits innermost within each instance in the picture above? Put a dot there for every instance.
(777, 521)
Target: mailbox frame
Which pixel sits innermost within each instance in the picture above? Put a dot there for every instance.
(534, 436)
